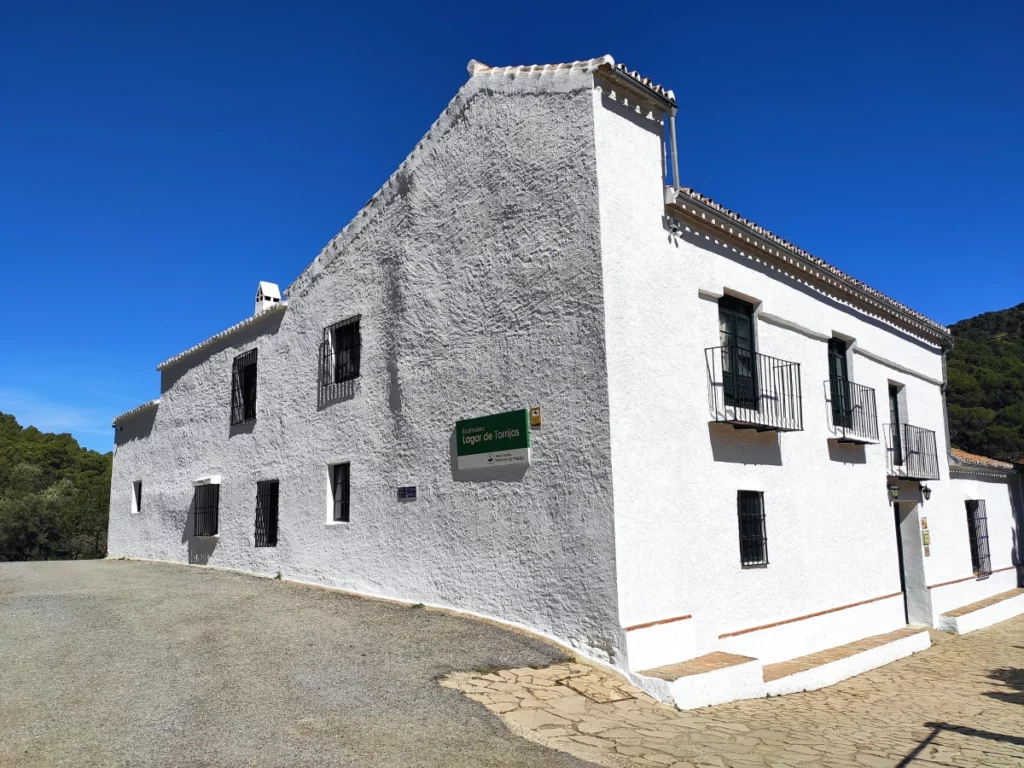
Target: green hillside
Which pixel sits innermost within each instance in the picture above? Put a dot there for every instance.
(54, 495)
(986, 384)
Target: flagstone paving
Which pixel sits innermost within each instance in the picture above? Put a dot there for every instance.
(960, 703)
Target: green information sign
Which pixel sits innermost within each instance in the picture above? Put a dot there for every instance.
(500, 440)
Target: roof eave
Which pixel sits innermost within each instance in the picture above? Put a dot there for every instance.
(134, 411)
(636, 86)
(250, 321)
(928, 330)
(984, 469)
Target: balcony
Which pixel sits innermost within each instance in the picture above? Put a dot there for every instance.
(911, 452)
(752, 391)
(851, 413)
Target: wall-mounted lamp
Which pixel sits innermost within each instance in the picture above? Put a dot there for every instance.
(117, 427)
(894, 491)
(926, 491)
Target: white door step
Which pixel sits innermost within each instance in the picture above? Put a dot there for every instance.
(712, 679)
(719, 677)
(818, 670)
(984, 613)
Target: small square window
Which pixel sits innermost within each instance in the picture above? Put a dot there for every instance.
(136, 497)
(340, 477)
(753, 534)
(341, 352)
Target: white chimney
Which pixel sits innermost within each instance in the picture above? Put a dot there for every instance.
(267, 295)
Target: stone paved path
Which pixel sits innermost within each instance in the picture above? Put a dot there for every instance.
(960, 703)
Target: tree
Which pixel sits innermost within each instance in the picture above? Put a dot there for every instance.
(54, 495)
(986, 384)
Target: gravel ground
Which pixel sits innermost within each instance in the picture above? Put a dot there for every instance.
(113, 663)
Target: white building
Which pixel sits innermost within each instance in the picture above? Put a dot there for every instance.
(726, 417)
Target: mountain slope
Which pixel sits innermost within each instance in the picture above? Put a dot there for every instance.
(986, 384)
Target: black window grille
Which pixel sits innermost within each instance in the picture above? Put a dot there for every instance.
(753, 534)
(977, 529)
(340, 491)
(243, 388)
(341, 348)
(206, 504)
(137, 495)
(266, 513)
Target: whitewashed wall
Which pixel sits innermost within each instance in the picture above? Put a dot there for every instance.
(831, 530)
(950, 559)
(521, 257)
(477, 273)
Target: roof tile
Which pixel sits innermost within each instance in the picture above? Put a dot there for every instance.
(589, 65)
(135, 410)
(974, 460)
(251, 320)
(695, 195)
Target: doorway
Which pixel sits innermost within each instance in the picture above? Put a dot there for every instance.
(899, 555)
(917, 598)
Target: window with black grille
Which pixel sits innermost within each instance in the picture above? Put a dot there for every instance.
(739, 352)
(243, 388)
(977, 530)
(206, 505)
(340, 491)
(266, 513)
(137, 496)
(839, 384)
(341, 350)
(753, 535)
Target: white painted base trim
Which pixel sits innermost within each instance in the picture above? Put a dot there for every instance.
(834, 672)
(949, 597)
(792, 639)
(746, 681)
(983, 617)
(661, 644)
(741, 681)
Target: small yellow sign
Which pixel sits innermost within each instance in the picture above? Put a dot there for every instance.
(927, 538)
(535, 416)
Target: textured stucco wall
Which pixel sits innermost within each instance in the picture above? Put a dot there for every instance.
(477, 273)
(831, 530)
(950, 543)
(520, 257)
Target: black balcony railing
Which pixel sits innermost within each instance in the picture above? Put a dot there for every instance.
(754, 391)
(912, 452)
(851, 411)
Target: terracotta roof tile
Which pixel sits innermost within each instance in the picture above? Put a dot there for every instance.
(974, 460)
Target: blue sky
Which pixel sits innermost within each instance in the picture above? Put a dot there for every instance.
(160, 159)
